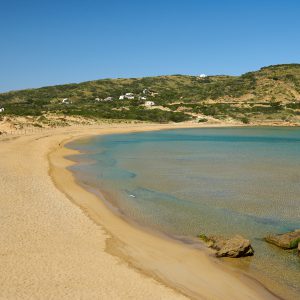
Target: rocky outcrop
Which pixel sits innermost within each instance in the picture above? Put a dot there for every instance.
(289, 240)
(234, 247)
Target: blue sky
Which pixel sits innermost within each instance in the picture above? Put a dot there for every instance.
(55, 42)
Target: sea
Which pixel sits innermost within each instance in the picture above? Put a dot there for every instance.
(213, 181)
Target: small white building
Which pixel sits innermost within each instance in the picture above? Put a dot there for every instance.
(129, 96)
(122, 97)
(202, 75)
(149, 103)
(1, 109)
(108, 99)
(66, 101)
(97, 99)
(143, 98)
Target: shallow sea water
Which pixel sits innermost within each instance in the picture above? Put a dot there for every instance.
(223, 181)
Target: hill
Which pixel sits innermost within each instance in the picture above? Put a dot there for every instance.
(271, 93)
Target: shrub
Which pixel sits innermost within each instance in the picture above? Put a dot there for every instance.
(202, 120)
(245, 120)
(276, 105)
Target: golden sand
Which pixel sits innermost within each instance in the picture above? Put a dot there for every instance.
(59, 241)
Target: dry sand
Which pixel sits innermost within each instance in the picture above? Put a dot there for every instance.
(59, 241)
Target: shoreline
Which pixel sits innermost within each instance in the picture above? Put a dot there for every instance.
(127, 245)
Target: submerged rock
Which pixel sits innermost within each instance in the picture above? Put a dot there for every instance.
(289, 240)
(234, 247)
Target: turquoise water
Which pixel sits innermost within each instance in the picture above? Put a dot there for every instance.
(221, 181)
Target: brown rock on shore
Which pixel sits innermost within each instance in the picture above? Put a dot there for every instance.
(287, 240)
(234, 247)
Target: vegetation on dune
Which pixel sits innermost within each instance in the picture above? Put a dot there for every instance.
(270, 93)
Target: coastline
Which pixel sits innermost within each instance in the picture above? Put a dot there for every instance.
(51, 247)
(201, 277)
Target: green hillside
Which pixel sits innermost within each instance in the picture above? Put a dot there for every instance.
(271, 93)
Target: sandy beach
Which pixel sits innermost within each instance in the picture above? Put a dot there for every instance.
(58, 241)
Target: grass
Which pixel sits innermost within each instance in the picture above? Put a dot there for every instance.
(270, 93)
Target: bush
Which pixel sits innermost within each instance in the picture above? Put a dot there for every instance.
(202, 120)
(276, 105)
(245, 120)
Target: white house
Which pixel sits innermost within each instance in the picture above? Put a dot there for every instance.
(202, 75)
(122, 97)
(129, 96)
(108, 99)
(143, 98)
(97, 99)
(66, 101)
(149, 103)
(1, 109)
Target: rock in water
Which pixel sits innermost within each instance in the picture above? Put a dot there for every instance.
(289, 240)
(235, 247)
